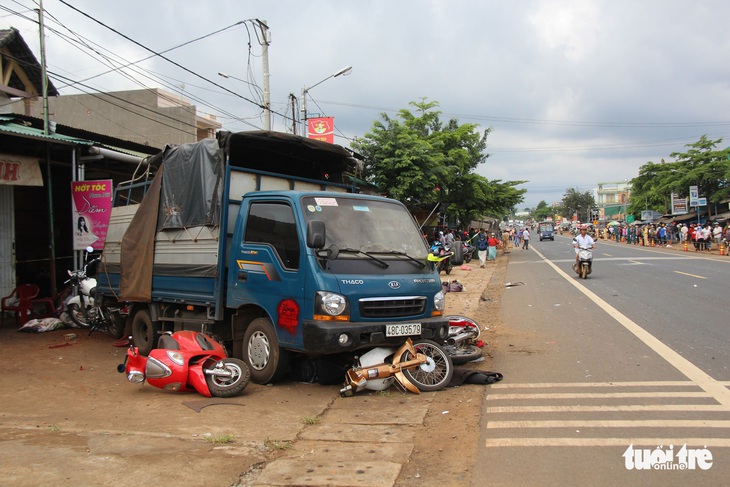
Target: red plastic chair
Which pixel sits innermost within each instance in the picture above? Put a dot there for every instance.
(19, 303)
(49, 307)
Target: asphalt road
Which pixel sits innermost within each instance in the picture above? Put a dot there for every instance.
(603, 373)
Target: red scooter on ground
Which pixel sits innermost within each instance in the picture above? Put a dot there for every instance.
(187, 361)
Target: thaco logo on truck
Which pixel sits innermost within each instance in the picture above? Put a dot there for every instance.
(353, 281)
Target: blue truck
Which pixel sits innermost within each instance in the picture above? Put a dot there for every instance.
(546, 230)
(270, 242)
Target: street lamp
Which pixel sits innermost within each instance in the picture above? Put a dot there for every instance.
(305, 90)
(267, 103)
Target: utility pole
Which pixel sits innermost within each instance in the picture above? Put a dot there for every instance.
(44, 80)
(293, 114)
(46, 131)
(266, 35)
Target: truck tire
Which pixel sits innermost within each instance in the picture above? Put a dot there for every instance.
(144, 332)
(267, 362)
(458, 257)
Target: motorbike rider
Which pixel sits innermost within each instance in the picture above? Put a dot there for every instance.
(583, 240)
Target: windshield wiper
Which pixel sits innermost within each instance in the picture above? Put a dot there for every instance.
(382, 263)
(420, 264)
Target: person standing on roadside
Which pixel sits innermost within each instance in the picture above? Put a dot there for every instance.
(493, 244)
(505, 241)
(717, 234)
(482, 247)
(525, 239)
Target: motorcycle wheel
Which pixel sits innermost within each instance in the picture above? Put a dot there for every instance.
(467, 257)
(448, 268)
(78, 315)
(144, 332)
(436, 373)
(229, 386)
(261, 352)
(463, 354)
(584, 271)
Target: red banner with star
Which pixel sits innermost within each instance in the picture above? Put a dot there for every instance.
(322, 128)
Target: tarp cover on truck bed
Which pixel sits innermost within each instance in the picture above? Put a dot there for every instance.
(188, 188)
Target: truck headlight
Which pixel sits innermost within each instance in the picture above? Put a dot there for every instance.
(330, 304)
(439, 301)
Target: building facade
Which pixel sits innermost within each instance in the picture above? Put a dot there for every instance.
(150, 117)
(612, 200)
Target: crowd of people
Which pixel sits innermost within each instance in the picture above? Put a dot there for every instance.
(486, 241)
(701, 237)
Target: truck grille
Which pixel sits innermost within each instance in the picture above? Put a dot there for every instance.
(392, 308)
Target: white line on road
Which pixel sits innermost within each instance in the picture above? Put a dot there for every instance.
(690, 275)
(622, 442)
(552, 385)
(588, 395)
(617, 408)
(642, 423)
(719, 392)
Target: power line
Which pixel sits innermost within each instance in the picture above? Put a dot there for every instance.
(161, 56)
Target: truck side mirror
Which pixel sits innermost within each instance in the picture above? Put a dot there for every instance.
(316, 234)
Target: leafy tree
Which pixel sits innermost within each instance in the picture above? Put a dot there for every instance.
(705, 166)
(702, 165)
(577, 202)
(418, 160)
(650, 189)
(542, 211)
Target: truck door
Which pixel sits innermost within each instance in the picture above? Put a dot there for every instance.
(268, 260)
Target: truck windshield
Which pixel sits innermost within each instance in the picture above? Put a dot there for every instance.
(373, 226)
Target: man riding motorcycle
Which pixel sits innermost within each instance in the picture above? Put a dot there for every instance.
(583, 240)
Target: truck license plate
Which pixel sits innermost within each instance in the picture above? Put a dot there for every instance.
(403, 329)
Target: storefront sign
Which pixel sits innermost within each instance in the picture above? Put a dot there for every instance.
(694, 195)
(679, 205)
(92, 206)
(20, 171)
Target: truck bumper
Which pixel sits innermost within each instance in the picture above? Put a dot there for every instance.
(323, 337)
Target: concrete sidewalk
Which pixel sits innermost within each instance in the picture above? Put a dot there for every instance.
(367, 439)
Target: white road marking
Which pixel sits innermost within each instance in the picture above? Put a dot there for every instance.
(716, 389)
(619, 408)
(553, 385)
(641, 423)
(690, 275)
(597, 395)
(621, 442)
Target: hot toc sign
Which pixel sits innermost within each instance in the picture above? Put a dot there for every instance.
(92, 206)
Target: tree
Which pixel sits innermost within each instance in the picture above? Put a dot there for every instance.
(578, 203)
(419, 161)
(701, 165)
(542, 211)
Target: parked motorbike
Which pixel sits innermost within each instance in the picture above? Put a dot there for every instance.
(463, 344)
(440, 255)
(187, 361)
(468, 251)
(585, 262)
(415, 366)
(82, 308)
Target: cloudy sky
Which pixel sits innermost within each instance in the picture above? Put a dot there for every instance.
(576, 92)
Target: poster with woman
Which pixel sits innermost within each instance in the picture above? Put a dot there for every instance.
(92, 206)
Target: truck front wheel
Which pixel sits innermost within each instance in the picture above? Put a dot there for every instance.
(144, 331)
(267, 362)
